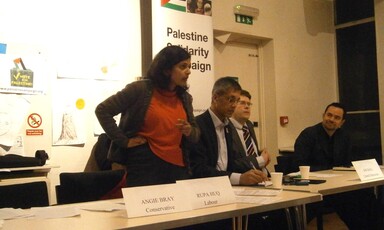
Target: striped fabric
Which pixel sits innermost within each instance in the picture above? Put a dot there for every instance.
(248, 141)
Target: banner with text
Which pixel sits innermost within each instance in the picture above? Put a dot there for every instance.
(188, 24)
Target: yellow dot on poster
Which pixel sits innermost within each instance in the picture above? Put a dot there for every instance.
(104, 69)
(80, 103)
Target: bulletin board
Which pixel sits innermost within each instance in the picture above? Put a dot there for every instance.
(74, 55)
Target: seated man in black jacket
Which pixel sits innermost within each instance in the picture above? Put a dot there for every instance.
(324, 146)
(215, 155)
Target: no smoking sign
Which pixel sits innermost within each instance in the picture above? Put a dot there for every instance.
(34, 121)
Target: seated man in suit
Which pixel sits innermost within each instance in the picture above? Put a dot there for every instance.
(326, 145)
(246, 150)
(244, 137)
(213, 155)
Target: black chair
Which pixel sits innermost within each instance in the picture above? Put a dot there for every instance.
(90, 186)
(24, 194)
(286, 163)
(98, 159)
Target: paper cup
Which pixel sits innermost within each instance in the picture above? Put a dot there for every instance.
(277, 179)
(304, 172)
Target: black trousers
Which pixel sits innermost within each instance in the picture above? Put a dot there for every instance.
(358, 209)
(145, 168)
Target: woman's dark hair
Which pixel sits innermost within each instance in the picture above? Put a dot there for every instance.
(163, 63)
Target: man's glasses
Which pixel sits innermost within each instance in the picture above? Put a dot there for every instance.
(243, 103)
(233, 100)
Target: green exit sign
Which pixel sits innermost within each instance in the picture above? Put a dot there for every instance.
(244, 19)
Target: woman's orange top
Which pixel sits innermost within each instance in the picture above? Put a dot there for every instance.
(159, 126)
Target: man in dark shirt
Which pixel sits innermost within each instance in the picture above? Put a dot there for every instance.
(324, 146)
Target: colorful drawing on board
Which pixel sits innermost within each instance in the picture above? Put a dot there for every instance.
(203, 7)
(24, 75)
(69, 117)
(178, 5)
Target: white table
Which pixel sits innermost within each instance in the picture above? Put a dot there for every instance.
(118, 220)
(336, 182)
(20, 175)
(23, 172)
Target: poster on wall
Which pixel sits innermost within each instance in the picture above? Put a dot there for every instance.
(188, 24)
(22, 74)
(13, 110)
(69, 113)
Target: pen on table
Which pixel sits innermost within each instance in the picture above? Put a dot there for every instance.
(252, 165)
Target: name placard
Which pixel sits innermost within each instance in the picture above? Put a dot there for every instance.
(208, 192)
(154, 200)
(183, 196)
(368, 169)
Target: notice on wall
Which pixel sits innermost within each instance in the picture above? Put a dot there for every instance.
(22, 74)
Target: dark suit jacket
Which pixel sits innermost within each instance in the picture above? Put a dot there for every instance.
(204, 154)
(240, 156)
(315, 148)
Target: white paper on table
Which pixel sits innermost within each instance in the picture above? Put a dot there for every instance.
(314, 174)
(256, 199)
(265, 183)
(102, 206)
(324, 175)
(256, 192)
(14, 213)
(55, 212)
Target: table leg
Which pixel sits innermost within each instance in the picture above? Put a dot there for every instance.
(289, 220)
(301, 217)
(237, 223)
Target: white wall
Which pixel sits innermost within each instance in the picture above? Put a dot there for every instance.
(297, 42)
(299, 59)
(72, 30)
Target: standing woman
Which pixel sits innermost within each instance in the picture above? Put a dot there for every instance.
(157, 125)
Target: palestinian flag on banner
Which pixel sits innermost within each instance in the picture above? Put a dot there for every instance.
(179, 5)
